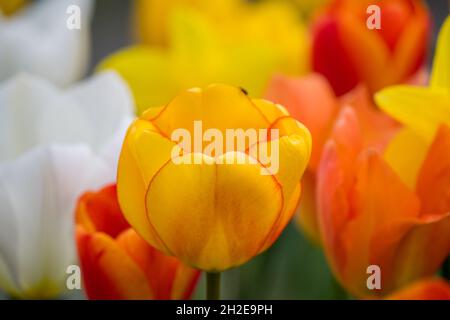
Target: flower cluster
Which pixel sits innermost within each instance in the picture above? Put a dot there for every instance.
(192, 149)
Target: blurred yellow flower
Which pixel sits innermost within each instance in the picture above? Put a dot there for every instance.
(8, 7)
(243, 48)
(421, 109)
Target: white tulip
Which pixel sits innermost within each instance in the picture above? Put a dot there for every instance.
(54, 145)
(37, 40)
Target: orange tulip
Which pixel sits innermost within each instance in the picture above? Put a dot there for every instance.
(369, 216)
(311, 100)
(226, 207)
(347, 52)
(116, 263)
(428, 289)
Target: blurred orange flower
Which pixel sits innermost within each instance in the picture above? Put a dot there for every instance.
(311, 100)
(427, 289)
(347, 52)
(369, 216)
(116, 263)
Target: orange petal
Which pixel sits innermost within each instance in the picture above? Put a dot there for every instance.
(108, 272)
(428, 289)
(100, 211)
(311, 101)
(167, 276)
(433, 184)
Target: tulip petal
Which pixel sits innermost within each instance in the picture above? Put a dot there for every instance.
(433, 184)
(59, 53)
(427, 289)
(108, 272)
(398, 154)
(41, 187)
(231, 209)
(168, 278)
(143, 153)
(111, 108)
(100, 212)
(310, 100)
(411, 106)
(440, 76)
(217, 106)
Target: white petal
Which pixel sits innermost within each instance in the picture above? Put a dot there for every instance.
(42, 187)
(107, 102)
(38, 41)
(33, 112)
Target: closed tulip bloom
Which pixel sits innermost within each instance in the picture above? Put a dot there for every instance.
(117, 263)
(209, 209)
(347, 52)
(369, 216)
(426, 289)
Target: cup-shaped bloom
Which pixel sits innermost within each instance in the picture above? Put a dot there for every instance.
(53, 145)
(225, 200)
(59, 52)
(311, 100)
(369, 216)
(425, 289)
(236, 47)
(347, 52)
(116, 263)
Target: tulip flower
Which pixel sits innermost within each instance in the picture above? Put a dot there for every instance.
(53, 145)
(212, 210)
(58, 53)
(237, 49)
(311, 100)
(116, 263)
(427, 289)
(369, 216)
(347, 52)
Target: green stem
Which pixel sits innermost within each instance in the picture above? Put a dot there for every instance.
(213, 285)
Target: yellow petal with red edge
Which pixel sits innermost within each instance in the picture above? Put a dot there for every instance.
(308, 99)
(427, 289)
(217, 106)
(286, 157)
(231, 209)
(440, 76)
(108, 272)
(405, 154)
(143, 153)
(307, 211)
(421, 109)
(167, 276)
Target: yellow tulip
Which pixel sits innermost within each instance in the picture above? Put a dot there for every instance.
(218, 213)
(242, 47)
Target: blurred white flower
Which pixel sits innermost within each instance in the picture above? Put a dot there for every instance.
(37, 40)
(54, 145)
